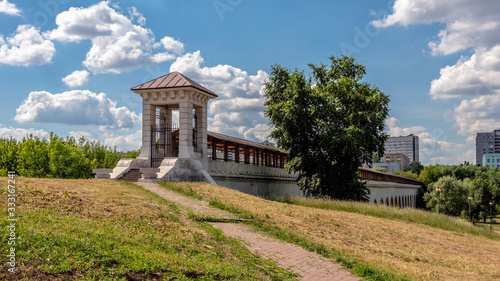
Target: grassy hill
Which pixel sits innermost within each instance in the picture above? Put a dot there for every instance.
(108, 230)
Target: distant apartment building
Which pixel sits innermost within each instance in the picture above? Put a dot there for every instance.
(487, 143)
(407, 145)
(491, 160)
(392, 162)
(402, 160)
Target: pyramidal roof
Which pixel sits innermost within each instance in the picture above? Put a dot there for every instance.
(172, 80)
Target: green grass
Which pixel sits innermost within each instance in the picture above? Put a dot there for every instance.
(409, 215)
(160, 243)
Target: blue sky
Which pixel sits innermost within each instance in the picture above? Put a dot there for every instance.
(68, 66)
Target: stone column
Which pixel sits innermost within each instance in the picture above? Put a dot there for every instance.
(201, 130)
(148, 119)
(186, 130)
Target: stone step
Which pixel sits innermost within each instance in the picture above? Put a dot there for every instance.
(133, 175)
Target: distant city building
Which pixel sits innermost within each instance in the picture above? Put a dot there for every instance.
(402, 160)
(491, 160)
(487, 143)
(407, 145)
(391, 163)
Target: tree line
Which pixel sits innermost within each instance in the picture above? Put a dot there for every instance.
(458, 183)
(57, 157)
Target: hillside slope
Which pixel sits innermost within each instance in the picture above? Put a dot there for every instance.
(109, 230)
(418, 251)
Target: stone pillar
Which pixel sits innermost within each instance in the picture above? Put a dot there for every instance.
(201, 131)
(186, 130)
(148, 119)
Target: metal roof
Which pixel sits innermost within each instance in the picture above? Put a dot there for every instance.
(172, 80)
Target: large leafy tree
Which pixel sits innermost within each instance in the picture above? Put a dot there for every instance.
(330, 123)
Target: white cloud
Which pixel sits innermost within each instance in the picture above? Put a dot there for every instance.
(117, 44)
(124, 143)
(77, 107)
(170, 44)
(468, 24)
(20, 133)
(433, 145)
(476, 75)
(134, 14)
(77, 78)
(259, 132)
(236, 104)
(26, 47)
(478, 114)
(225, 80)
(238, 109)
(9, 8)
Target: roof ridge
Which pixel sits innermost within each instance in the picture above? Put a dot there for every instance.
(166, 83)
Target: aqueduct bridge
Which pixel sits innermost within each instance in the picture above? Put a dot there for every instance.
(188, 152)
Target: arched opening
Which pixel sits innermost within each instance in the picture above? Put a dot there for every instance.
(375, 201)
(381, 201)
(392, 201)
(387, 201)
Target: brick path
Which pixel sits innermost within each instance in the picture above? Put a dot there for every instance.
(309, 265)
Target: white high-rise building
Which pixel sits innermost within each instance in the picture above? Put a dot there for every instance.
(407, 145)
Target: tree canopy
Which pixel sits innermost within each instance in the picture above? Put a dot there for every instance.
(330, 123)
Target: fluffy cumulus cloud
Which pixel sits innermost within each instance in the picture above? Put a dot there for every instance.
(475, 75)
(478, 114)
(26, 47)
(77, 79)
(9, 8)
(20, 133)
(124, 142)
(238, 109)
(433, 145)
(173, 45)
(468, 25)
(77, 107)
(117, 43)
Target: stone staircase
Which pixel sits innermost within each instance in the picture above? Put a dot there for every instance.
(133, 175)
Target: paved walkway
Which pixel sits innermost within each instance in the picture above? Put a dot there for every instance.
(309, 265)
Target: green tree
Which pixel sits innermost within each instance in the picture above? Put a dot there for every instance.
(379, 169)
(8, 155)
(33, 158)
(429, 174)
(330, 123)
(453, 198)
(415, 167)
(406, 174)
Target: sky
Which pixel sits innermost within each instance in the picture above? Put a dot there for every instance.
(68, 66)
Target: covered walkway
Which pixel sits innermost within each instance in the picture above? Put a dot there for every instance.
(231, 149)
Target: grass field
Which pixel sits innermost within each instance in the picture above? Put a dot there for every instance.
(108, 230)
(386, 243)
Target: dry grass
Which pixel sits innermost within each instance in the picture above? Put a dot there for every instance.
(418, 251)
(109, 230)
